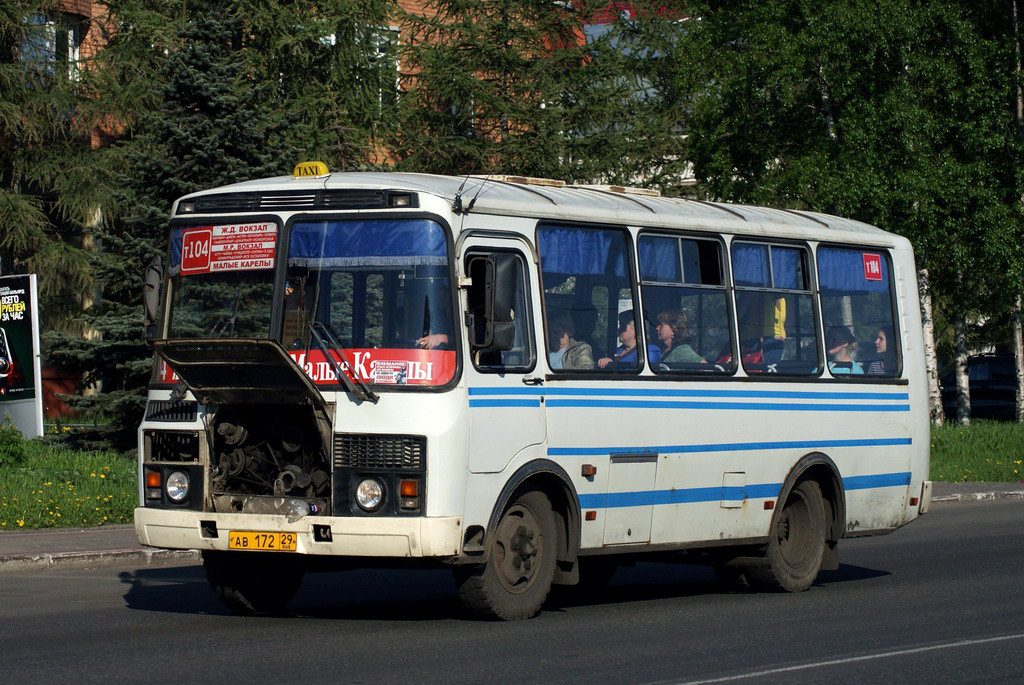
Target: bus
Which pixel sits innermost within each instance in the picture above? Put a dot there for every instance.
(528, 382)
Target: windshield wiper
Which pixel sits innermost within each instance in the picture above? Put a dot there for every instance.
(355, 385)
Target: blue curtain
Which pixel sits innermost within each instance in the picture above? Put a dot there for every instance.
(787, 268)
(371, 242)
(750, 265)
(842, 271)
(659, 259)
(582, 251)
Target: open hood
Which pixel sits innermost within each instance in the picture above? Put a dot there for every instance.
(239, 371)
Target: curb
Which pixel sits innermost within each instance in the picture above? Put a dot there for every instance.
(979, 496)
(24, 563)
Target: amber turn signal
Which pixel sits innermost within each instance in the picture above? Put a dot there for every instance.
(152, 479)
(409, 488)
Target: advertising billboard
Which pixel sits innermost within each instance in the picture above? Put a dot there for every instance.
(21, 395)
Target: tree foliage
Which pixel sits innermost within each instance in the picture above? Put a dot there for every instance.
(897, 113)
(213, 93)
(539, 89)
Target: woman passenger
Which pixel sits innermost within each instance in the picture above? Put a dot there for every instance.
(885, 365)
(673, 332)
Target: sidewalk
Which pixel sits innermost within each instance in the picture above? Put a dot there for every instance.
(72, 548)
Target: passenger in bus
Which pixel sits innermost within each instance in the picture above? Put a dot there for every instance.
(436, 315)
(566, 353)
(432, 341)
(841, 345)
(674, 332)
(762, 319)
(625, 354)
(885, 365)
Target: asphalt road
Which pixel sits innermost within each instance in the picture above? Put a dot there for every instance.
(940, 600)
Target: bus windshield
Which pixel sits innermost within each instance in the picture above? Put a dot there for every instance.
(372, 297)
(222, 280)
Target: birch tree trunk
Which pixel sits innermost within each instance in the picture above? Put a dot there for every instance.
(963, 388)
(1018, 356)
(931, 362)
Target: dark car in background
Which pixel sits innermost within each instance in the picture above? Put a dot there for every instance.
(993, 384)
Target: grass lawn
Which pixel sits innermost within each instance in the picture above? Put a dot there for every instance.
(983, 451)
(61, 488)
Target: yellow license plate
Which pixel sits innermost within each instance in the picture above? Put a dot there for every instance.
(274, 542)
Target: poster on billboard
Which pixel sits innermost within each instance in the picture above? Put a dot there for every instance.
(21, 396)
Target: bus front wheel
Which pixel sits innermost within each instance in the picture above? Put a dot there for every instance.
(252, 582)
(516, 579)
(796, 544)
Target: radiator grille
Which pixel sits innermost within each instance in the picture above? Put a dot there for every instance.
(363, 451)
(171, 410)
(172, 446)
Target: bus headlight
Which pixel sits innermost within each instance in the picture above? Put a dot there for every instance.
(177, 486)
(370, 494)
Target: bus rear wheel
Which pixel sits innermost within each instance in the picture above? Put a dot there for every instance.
(796, 544)
(516, 579)
(251, 582)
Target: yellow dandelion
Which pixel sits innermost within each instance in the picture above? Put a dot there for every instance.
(103, 475)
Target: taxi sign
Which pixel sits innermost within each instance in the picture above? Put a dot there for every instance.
(310, 169)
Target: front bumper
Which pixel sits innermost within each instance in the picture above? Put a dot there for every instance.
(350, 536)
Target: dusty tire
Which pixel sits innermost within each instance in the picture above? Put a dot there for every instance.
(250, 582)
(516, 579)
(796, 543)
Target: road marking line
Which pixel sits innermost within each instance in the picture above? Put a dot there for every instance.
(853, 659)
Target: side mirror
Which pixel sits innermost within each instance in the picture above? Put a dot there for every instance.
(491, 301)
(503, 297)
(151, 295)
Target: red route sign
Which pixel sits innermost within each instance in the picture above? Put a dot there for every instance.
(234, 247)
(872, 266)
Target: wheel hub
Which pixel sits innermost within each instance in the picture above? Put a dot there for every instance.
(517, 549)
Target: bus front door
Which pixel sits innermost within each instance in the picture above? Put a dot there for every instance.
(506, 408)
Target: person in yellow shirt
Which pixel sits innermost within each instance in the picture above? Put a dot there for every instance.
(773, 339)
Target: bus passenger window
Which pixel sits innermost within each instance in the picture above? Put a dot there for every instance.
(775, 310)
(587, 294)
(686, 312)
(857, 297)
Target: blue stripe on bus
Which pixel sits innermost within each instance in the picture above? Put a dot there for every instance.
(668, 392)
(616, 500)
(504, 403)
(724, 447)
(883, 480)
(736, 406)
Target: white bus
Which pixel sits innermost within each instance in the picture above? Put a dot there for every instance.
(529, 382)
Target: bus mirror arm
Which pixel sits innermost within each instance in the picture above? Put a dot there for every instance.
(151, 296)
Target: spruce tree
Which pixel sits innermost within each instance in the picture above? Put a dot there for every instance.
(530, 88)
(210, 93)
(53, 184)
